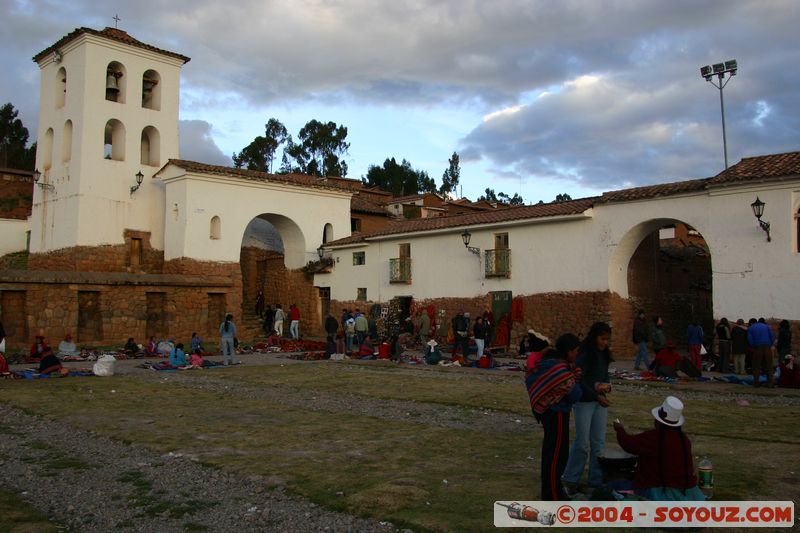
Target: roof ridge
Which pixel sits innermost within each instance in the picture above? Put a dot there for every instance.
(114, 34)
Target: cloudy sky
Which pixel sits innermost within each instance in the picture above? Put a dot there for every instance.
(538, 97)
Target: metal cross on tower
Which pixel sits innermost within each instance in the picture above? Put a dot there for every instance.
(116, 20)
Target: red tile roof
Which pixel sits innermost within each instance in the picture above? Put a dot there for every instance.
(574, 207)
(654, 191)
(362, 204)
(750, 169)
(255, 175)
(113, 34)
(760, 168)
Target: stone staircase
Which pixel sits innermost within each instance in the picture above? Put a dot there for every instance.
(250, 327)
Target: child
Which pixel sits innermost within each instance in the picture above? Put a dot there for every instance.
(196, 343)
(177, 358)
(197, 359)
(384, 350)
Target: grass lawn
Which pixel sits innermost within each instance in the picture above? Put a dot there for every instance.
(408, 472)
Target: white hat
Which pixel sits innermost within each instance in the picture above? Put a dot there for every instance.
(788, 356)
(670, 413)
(432, 343)
(541, 336)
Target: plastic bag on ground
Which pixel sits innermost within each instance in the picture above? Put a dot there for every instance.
(105, 365)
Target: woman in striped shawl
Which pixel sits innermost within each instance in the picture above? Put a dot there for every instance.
(552, 389)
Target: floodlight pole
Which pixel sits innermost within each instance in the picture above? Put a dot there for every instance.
(721, 86)
(719, 70)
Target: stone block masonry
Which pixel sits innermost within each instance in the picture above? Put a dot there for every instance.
(135, 255)
(550, 313)
(105, 308)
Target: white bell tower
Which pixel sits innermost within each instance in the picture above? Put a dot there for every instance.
(108, 110)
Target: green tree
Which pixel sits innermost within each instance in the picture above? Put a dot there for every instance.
(259, 154)
(399, 179)
(451, 176)
(563, 198)
(14, 149)
(319, 151)
(488, 195)
(510, 200)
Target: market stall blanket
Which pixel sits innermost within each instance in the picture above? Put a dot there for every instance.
(31, 373)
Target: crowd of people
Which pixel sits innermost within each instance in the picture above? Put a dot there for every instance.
(741, 348)
(572, 376)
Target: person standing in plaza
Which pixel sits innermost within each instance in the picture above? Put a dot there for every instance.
(640, 337)
(760, 339)
(362, 326)
(694, 338)
(260, 304)
(461, 332)
(552, 391)
(269, 320)
(784, 344)
(591, 411)
(294, 324)
(227, 332)
(724, 342)
(480, 332)
(280, 317)
(331, 325)
(657, 337)
(739, 347)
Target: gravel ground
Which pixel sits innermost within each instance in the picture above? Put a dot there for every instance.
(90, 483)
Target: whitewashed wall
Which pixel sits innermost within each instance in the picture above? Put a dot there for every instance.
(751, 277)
(298, 213)
(91, 204)
(13, 235)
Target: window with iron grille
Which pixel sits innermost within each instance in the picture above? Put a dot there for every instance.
(498, 263)
(359, 258)
(362, 294)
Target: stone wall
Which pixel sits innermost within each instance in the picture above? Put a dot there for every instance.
(551, 314)
(287, 287)
(16, 194)
(105, 308)
(109, 258)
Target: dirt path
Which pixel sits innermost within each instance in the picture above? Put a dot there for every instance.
(90, 483)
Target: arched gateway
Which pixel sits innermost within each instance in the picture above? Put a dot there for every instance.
(271, 225)
(663, 267)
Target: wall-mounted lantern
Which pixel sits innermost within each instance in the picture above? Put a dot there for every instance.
(758, 211)
(139, 180)
(465, 237)
(44, 186)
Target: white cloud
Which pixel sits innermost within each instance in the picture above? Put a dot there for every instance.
(197, 143)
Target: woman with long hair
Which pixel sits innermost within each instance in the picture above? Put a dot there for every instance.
(591, 411)
(227, 332)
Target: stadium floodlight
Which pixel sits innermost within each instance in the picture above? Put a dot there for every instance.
(719, 70)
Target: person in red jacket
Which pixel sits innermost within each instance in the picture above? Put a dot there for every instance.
(790, 373)
(294, 324)
(666, 362)
(664, 471)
